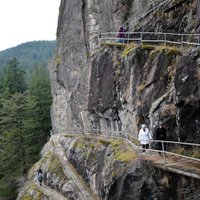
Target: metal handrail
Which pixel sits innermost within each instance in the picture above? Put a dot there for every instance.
(152, 37)
(70, 173)
(140, 15)
(174, 142)
(127, 135)
(155, 33)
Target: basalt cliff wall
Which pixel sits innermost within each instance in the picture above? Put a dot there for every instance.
(118, 88)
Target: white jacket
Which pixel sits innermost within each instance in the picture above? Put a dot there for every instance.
(144, 136)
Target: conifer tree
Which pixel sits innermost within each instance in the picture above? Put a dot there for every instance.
(12, 115)
(13, 78)
(12, 162)
(38, 122)
(24, 123)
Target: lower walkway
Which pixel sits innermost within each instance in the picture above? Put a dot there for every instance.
(174, 164)
(165, 160)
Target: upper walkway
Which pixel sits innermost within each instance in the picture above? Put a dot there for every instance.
(178, 157)
(155, 38)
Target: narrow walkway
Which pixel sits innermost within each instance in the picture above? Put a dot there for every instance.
(168, 162)
(175, 164)
(156, 38)
(70, 171)
(172, 163)
(52, 194)
(45, 190)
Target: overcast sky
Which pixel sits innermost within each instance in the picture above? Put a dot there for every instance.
(27, 20)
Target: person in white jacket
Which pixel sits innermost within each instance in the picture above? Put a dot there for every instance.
(144, 137)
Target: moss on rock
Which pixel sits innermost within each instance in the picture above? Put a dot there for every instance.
(130, 48)
(27, 197)
(126, 156)
(34, 192)
(55, 166)
(122, 151)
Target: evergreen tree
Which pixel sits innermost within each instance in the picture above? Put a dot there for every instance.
(24, 123)
(38, 122)
(13, 78)
(28, 54)
(12, 152)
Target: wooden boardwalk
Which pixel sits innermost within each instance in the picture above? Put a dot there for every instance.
(174, 164)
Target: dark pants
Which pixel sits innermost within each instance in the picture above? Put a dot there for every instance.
(145, 146)
(160, 147)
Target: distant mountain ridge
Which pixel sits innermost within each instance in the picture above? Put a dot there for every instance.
(29, 53)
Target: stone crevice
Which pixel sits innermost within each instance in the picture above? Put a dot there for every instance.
(83, 12)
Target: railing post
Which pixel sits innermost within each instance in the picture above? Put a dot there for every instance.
(165, 39)
(128, 37)
(163, 151)
(141, 38)
(99, 38)
(181, 41)
(138, 147)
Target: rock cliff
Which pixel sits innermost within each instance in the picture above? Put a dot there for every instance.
(80, 22)
(91, 168)
(110, 88)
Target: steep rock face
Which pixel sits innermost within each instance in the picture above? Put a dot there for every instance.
(149, 86)
(71, 61)
(140, 86)
(174, 17)
(78, 25)
(188, 96)
(117, 89)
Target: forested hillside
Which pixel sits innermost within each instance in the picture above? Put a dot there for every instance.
(24, 113)
(29, 54)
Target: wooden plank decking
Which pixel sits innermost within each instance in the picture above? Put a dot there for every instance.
(174, 164)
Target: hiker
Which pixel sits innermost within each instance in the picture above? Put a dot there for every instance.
(40, 176)
(144, 137)
(161, 135)
(121, 35)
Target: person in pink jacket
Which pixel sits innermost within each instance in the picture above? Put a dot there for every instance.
(144, 137)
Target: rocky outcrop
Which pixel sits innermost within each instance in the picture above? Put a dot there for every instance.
(84, 168)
